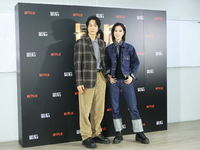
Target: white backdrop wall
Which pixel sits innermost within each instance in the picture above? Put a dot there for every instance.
(182, 80)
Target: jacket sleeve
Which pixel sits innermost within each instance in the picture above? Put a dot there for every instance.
(78, 52)
(108, 63)
(134, 62)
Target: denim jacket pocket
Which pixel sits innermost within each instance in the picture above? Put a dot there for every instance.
(126, 60)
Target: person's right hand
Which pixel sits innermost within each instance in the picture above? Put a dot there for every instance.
(112, 80)
(81, 89)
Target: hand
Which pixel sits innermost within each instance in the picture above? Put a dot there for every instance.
(81, 89)
(129, 80)
(112, 80)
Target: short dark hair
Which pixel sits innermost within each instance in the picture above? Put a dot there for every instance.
(97, 20)
(113, 29)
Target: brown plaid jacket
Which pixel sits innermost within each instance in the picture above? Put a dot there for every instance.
(85, 61)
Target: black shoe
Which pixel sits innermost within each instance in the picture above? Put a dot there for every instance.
(89, 143)
(118, 138)
(142, 138)
(101, 139)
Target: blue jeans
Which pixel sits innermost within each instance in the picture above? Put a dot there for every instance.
(129, 95)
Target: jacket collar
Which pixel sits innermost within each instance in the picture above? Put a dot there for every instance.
(123, 45)
(89, 42)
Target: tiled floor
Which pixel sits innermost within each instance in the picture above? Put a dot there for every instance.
(179, 136)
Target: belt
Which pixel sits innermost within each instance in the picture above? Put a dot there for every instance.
(99, 70)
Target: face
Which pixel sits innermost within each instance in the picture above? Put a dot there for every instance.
(118, 33)
(92, 28)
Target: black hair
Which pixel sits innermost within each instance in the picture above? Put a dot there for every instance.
(113, 29)
(97, 20)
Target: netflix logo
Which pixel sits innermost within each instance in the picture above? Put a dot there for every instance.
(140, 53)
(104, 129)
(120, 16)
(158, 18)
(68, 113)
(44, 74)
(150, 106)
(159, 88)
(57, 134)
(149, 35)
(29, 13)
(109, 109)
(32, 96)
(56, 54)
(77, 14)
(76, 93)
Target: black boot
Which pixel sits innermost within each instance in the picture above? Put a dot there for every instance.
(101, 139)
(142, 138)
(89, 143)
(118, 138)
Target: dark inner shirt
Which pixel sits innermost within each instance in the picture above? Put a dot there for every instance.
(119, 74)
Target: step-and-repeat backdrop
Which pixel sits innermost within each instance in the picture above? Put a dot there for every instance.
(47, 94)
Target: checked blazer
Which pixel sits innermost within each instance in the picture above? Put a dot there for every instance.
(85, 61)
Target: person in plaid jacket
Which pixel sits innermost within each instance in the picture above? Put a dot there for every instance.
(90, 72)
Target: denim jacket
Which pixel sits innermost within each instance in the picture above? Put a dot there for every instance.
(129, 60)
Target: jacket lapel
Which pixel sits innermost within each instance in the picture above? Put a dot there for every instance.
(100, 47)
(89, 43)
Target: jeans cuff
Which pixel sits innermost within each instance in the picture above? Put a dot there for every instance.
(118, 124)
(137, 125)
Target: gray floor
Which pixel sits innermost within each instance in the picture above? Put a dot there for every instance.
(179, 136)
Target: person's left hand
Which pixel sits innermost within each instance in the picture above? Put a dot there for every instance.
(129, 80)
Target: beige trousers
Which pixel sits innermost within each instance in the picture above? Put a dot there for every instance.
(91, 108)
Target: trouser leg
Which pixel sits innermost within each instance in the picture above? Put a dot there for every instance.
(98, 105)
(114, 97)
(130, 97)
(85, 104)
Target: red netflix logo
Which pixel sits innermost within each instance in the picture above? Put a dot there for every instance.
(29, 13)
(56, 54)
(68, 113)
(150, 106)
(149, 35)
(104, 129)
(44, 74)
(77, 14)
(76, 93)
(159, 88)
(32, 96)
(158, 18)
(120, 16)
(58, 134)
(140, 53)
(109, 109)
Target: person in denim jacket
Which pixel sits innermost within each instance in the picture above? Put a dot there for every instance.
(122, 65)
